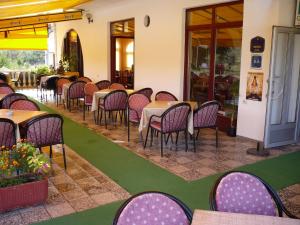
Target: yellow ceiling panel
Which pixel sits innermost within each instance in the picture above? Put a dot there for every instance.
(19, 8)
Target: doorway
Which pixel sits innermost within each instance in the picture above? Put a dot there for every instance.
(213, 56)
(72, 52)
(283, 113)
(122, 53)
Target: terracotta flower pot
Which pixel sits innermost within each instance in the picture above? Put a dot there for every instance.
(22, 195)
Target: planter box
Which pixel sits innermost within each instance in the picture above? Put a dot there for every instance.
(22, 195)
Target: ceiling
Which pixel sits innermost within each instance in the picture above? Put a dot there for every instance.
(21, 8)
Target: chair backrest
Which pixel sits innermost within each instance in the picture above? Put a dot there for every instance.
(89, 90)
(117, 86)
(175, 118)
(45, 130)
(59, 83)
(3, 78)
(103, 84)
(206, 115)
(72, 78)
(8, 99)
(6, 89)
(51, 83)
(76, 90)
(7, 132)
(241, 192)
(153, 208)
(115, 100)
(165, 96)
(136, 104)
(146, 91)
(24, 104)
(85, 79)
(2, 81)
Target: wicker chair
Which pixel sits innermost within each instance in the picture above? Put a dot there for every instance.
(59, 84)
(241, 192)
(145, 91)
(89, 90)
(24, 104)
(115, 101)
(46, 130)
(165, 96)
(85, 79)
(8, 99)
(7, 132)
(136, 104)
(103, 84)
(163, 208)
(173, 120)
(75, 92)
(117, 86)
(206, 117)
(6, 89)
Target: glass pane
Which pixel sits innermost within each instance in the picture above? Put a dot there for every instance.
(199, 59)
(227, 69)
(230, 13)
(199, 17)
(278, 79)
(295, 81)
(123, 28)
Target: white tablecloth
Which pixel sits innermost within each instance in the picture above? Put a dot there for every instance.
(102, 94)
(158, 108)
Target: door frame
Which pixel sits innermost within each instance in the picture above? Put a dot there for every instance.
(275, 30)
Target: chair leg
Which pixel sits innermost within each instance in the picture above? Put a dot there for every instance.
(146, 137)
(186, 140)
(217, 137)
(151, 140)
(161, 144)
(194, 142)
(84, 111)
(50, 151)
(64, 154)
(128, 132)
(95, 118)
(105, 119)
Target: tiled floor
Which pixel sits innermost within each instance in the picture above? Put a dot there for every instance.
(81, 187)
(207, 160)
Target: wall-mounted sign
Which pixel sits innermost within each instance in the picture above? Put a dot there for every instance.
(256, 61)
(297, 17)
(254, 86)
(257, 44)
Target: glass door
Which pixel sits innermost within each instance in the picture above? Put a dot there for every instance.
(199, 61)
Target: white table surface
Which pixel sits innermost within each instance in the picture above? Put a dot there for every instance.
(158, 108)
(203, 217)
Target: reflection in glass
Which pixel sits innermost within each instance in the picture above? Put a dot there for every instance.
(199, 60)
(230, 13)
(199, 17)
(227, 68)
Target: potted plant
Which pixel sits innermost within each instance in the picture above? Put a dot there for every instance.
(234, 90)
(23, 176)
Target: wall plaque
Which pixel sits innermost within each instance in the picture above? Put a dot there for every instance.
(257, 44)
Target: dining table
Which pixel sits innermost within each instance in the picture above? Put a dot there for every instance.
(204, 217)
(159, 107)
(101, 94)
(19, 117)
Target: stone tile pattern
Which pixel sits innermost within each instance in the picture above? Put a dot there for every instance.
(79, 188)
(207, 160)
(290, 197)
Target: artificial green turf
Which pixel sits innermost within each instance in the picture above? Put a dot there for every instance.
(135, 174)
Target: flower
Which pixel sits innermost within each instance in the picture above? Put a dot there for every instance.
(22, 160)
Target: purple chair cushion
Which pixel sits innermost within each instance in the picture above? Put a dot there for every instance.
(7, 133)
(136, 104)
(24, 104)
(244, 193)
(152, 209)
(206, 116)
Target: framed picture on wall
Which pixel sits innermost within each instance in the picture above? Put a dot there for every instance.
(254, 86)
(256, 61)
(297, 16)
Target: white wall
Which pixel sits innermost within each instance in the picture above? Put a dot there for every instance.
(259, 17)
(159, 49)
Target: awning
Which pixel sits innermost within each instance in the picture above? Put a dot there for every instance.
(24, 23)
